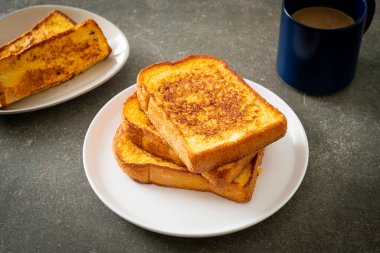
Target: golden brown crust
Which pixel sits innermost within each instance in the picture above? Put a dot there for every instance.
(4, 52)
(162, 123)
(225, 103)
(230, 151)
(184, 115)
(145, 138)
(142, 133)
(171, 176)
(60, 61)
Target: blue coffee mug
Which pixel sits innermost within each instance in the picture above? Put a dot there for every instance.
(316, 60)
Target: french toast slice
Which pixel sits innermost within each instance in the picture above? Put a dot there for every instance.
(143, 134)
(207, 113)
(144, 167)
(52, 61)
(56, 22)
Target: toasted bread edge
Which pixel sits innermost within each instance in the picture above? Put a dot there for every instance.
(165, 176)
(36, 27)
(209, 159)
(155, 144)
(147, 140)
(3, 101)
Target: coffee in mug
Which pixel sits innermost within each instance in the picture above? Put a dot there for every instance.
(323, 17)
(319, 42)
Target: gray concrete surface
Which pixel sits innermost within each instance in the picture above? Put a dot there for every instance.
(47, 204)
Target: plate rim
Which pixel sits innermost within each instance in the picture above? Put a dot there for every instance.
(204, 234)
(126, 54)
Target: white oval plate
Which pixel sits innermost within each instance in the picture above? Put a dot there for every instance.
(188, 213)
(18, 22)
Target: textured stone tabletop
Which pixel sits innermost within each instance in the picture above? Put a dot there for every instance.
(47, 204)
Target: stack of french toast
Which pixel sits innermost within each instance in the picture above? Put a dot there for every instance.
(53, 51)
(195, 124)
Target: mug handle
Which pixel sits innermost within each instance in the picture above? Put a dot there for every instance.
(371, 5)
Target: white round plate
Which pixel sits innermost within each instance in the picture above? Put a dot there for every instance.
(18, 22)
(188, 213)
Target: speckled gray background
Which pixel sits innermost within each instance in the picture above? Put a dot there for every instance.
(47, 204)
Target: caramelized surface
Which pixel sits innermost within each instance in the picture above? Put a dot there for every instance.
(56, 22)
(207, 102)
(51, 61)
(132, 113)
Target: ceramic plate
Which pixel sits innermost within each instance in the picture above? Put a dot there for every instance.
(18, 22)
(189, 213)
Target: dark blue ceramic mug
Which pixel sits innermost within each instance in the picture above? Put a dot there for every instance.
(317, 60)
